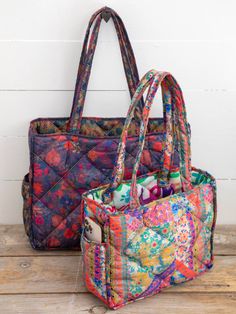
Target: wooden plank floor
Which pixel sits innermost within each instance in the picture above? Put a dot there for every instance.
(51, 282)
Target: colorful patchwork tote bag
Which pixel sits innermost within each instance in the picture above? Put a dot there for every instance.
(68, 156)
(156, 229)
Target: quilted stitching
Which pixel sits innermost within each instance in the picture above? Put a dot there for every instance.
(73, 164)
(151, 268)
(173, 242)
(153, 239)
(52, 175)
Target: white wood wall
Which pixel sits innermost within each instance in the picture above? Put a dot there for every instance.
(40, 43)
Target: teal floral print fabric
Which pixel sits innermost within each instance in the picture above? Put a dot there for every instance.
(158, 227)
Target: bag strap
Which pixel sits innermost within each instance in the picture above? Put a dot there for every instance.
(86, 60)
(174, 104)
(126, 47)
(118, 172)
(183, 139)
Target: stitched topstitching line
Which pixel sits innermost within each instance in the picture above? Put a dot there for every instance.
(62, 178)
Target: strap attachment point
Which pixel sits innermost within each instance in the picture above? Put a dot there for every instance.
(106, 15)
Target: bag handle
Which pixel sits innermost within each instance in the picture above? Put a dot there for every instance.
(174, 103)
(118, 172)
(182, 137)
(86, 60)
(122, 34)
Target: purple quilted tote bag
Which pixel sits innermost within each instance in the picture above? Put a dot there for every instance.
(69, 156)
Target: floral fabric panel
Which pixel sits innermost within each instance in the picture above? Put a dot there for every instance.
(69, 156)
(62, 168)
(148, 189)
(164, 242)
(63, 165)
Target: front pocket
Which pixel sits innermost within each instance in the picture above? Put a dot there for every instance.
(94, 262)
(25, 191)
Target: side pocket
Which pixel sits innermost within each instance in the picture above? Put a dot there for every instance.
(94, 267)
(25, 191)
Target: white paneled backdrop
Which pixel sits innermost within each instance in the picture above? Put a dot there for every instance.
(40, 44)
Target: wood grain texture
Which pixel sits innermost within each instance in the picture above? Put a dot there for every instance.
(41, 274)
(14, 242)
(51, 282)
(24, 270)
(225, 240)
(40, 43)
(58, 274)
(164, 303)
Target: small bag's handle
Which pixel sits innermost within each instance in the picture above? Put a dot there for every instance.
(86, 60)
(146, 82)
(177, 119)
(174, 105)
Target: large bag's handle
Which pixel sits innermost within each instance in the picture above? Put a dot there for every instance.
(86, 60)
(127, 51)
(174, 104)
